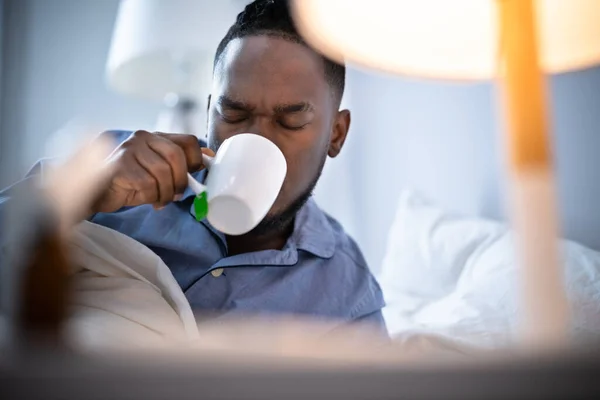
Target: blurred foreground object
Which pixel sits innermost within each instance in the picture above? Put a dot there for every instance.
(514, 40)
(35, 278)
(73, 185)
(214, 375)
(446, 39)
(163, 50)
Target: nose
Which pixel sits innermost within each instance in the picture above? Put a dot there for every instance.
(262, 126)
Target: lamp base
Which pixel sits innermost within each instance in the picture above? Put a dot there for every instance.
(545, 318)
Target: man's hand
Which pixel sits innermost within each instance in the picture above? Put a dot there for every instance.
(150, 168)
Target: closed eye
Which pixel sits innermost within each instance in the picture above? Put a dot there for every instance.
(294, 121)
(291, 128)
(232, 111)
(230, 116)
(233, 119)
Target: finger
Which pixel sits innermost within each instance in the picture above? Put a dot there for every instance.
(144, 185)
(190, 146)
(175, 157)
(156, 166)
(208, 151)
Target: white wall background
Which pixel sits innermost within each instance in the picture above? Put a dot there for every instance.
(445, 141)
(56, 67)
(441, 139)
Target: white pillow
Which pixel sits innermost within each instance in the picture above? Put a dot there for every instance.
(455, 277)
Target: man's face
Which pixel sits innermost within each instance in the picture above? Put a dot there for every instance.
(277, 89)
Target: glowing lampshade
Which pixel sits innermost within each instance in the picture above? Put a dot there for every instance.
(454, 39)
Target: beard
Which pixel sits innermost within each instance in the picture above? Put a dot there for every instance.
(280, 222)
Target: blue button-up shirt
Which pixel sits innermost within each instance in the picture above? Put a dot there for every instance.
(319, 272)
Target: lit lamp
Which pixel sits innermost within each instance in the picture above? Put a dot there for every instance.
(162, 50)
(514, 40)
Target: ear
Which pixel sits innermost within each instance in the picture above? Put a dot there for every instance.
(341, 125)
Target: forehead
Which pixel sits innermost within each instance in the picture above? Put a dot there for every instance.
(272, 68)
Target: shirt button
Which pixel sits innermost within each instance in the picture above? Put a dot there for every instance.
(217, 272)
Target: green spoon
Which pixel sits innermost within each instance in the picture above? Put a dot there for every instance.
(201, 199)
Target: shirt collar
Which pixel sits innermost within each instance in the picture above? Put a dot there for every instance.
(312, 230)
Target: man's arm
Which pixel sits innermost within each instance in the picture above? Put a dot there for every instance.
(151, 169)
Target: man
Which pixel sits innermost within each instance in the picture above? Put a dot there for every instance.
(298, 260)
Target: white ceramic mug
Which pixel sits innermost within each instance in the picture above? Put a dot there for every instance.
(244, 179)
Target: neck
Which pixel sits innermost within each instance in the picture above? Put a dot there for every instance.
(250, 242)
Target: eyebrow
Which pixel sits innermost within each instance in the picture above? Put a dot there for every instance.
(293, 108)
(238, 105)
(227, 102)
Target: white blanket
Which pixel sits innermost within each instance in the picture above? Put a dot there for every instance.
(124, 295)
(455, 280)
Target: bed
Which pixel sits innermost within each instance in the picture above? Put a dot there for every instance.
(451, 279)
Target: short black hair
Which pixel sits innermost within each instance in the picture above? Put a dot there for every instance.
(273, 18)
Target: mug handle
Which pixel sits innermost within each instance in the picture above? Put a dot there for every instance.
(208, 161)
